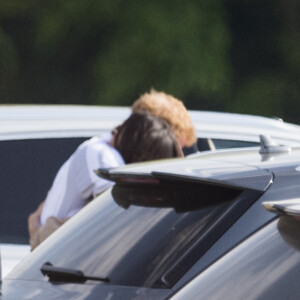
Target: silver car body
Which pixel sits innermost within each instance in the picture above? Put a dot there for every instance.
(273, 176)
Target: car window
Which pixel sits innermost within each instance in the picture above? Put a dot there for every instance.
(136, 240)
(225, 144)
(27, 169)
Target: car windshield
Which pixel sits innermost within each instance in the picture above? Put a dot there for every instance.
(134, 234)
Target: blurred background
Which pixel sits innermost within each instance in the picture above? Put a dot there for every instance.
(223, 55)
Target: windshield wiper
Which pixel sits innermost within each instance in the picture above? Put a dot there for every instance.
(58, 274)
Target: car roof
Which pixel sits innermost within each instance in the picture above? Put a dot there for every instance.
(21, 121)
(241, 168)
(36, 121)
(244, 126)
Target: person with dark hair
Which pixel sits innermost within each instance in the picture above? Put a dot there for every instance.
(142, 137)
(151, 139)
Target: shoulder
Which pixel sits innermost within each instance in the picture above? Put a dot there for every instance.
(95, 143)
(99, 149)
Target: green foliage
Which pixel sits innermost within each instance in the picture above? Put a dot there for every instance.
(261, 95)
(233, 55)
(8, 64)
(17, 8)
(120, 50)
(266, 58)
(170, 45)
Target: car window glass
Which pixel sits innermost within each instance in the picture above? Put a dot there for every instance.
(132, 246)
(27, 170)
(224, 144)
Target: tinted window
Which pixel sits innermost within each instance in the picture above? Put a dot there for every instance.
(27, 169)
(224, 144)
(135, 239)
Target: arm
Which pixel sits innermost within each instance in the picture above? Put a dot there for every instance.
(34, 220)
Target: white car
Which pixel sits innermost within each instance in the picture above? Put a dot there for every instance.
(11, 255)
(36, 139)
(69, 121)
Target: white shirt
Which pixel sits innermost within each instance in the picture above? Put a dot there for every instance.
(76, 180)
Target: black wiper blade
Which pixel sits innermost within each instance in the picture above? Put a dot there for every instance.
(58, 274)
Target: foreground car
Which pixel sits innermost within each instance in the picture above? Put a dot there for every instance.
(159, 226)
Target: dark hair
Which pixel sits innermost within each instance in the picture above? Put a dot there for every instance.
(144, 137)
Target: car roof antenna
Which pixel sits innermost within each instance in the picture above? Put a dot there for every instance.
(268, 146)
